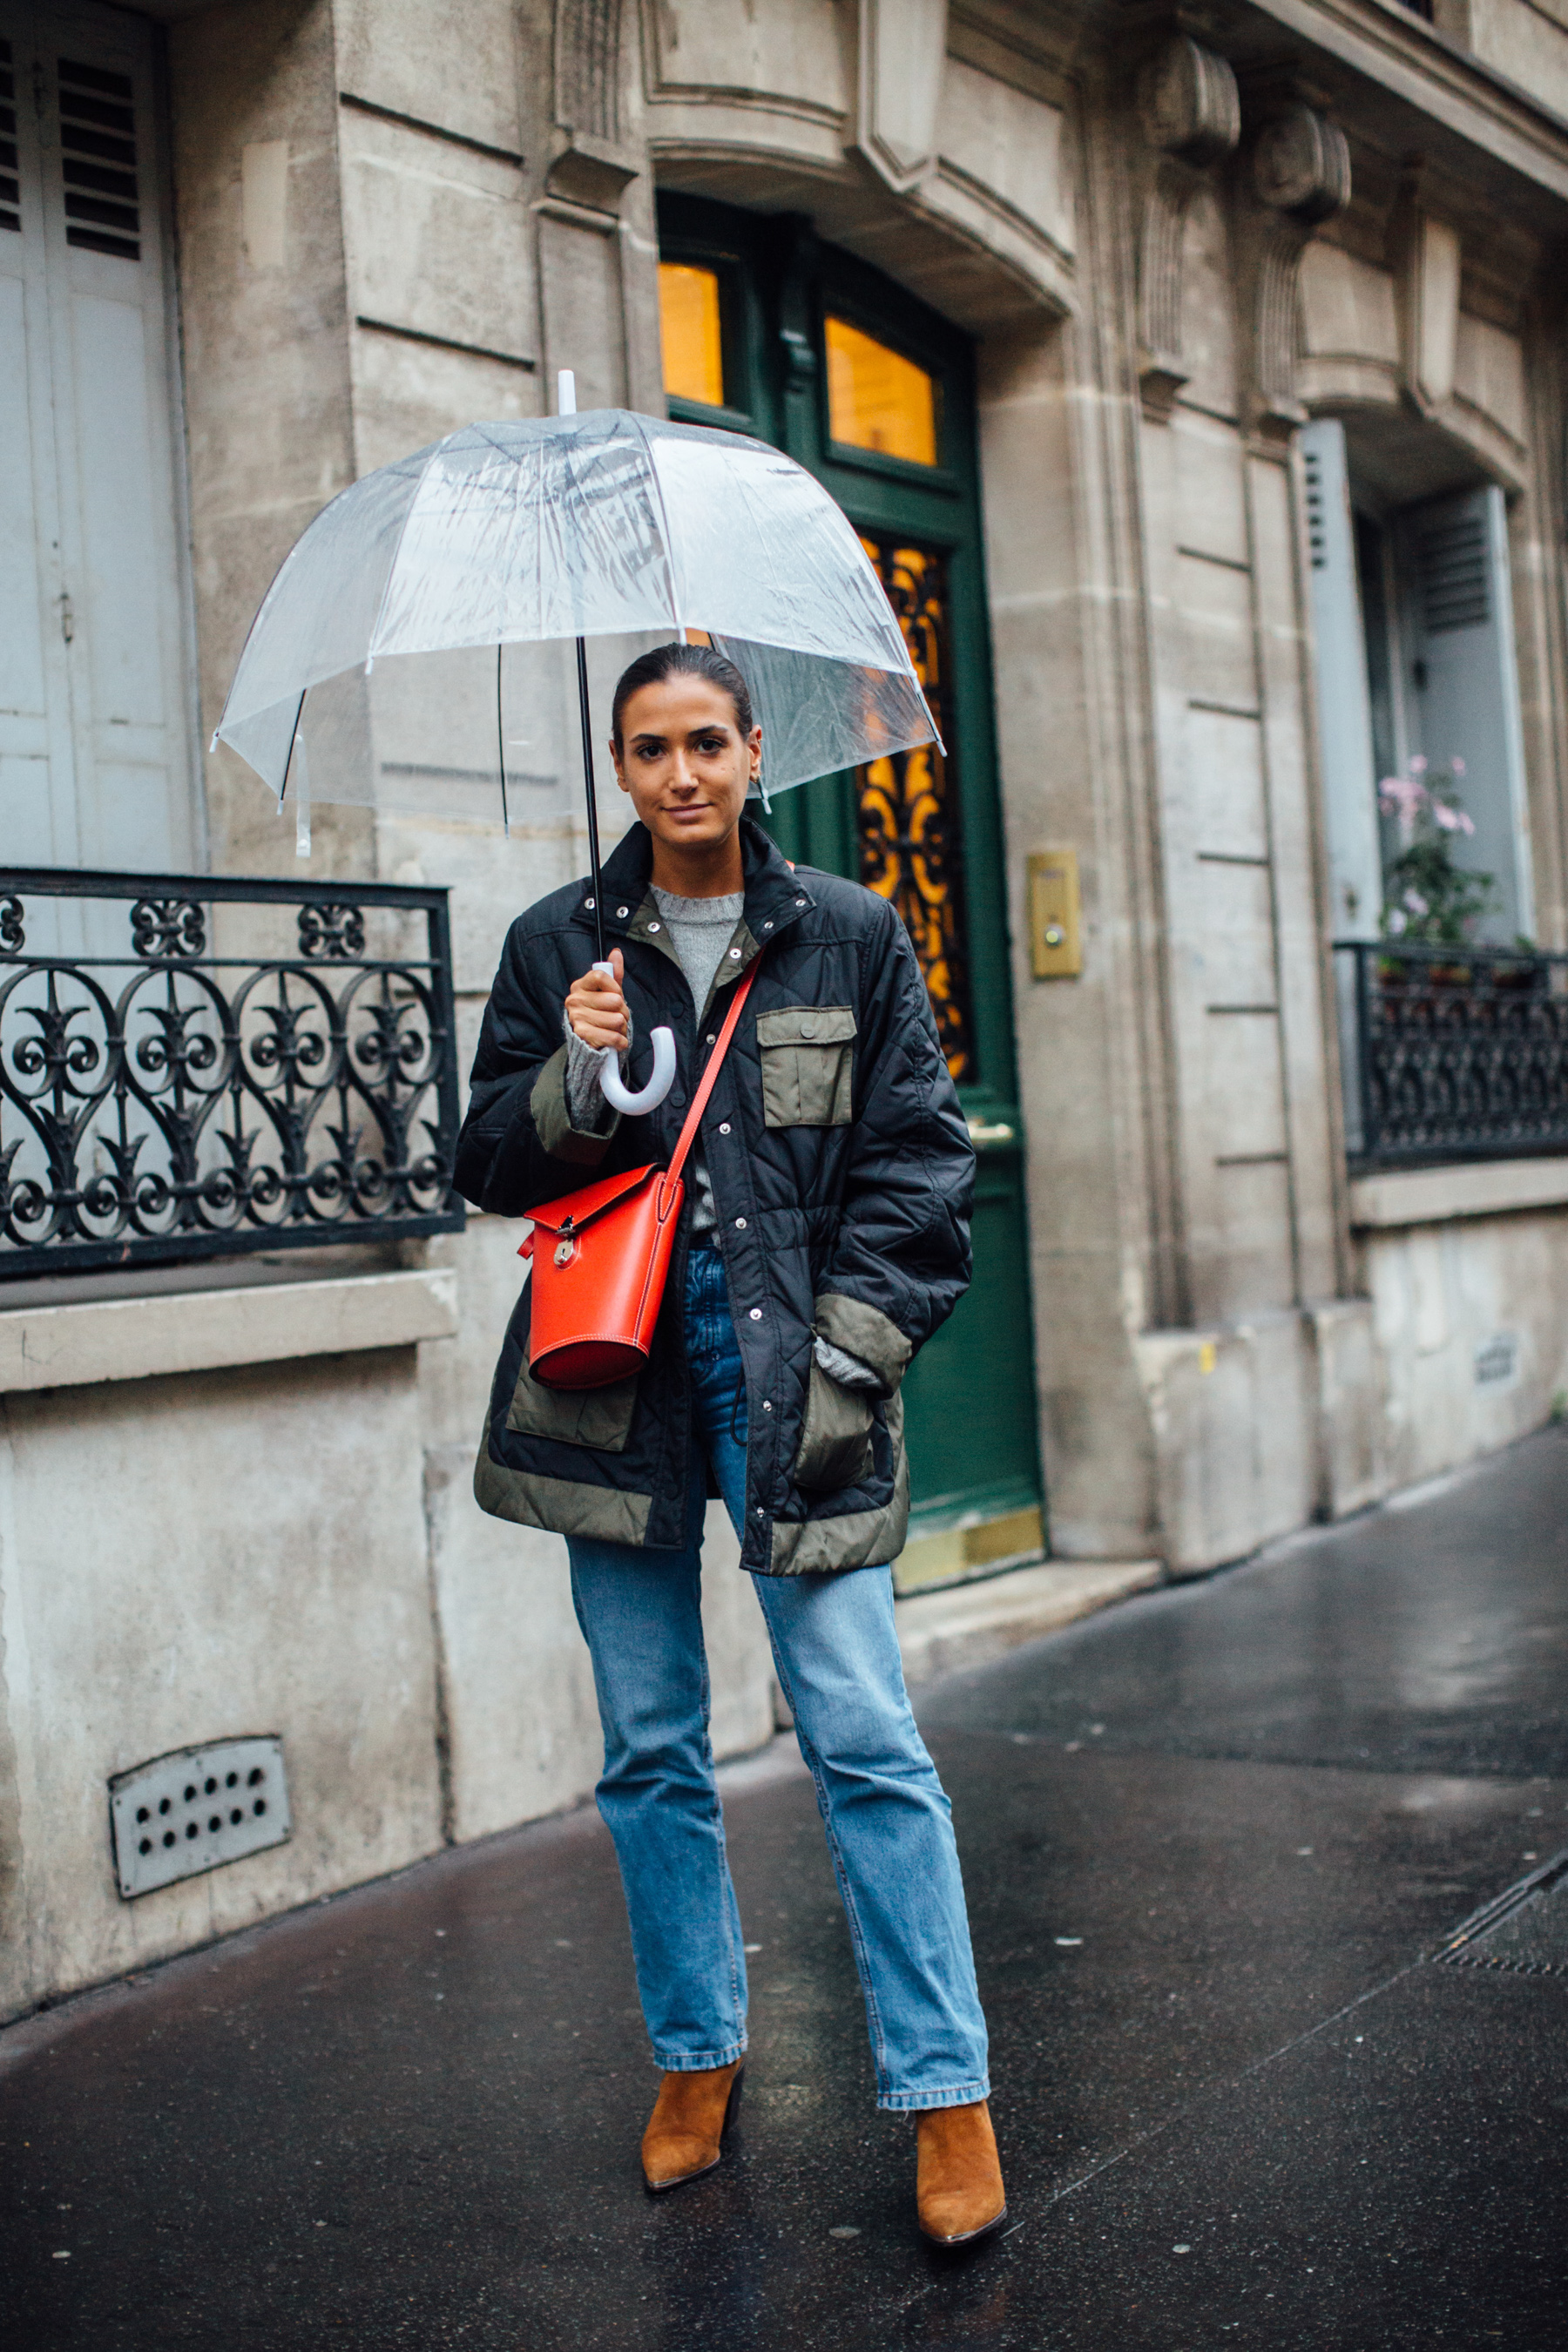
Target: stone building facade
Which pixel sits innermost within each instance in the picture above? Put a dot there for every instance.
(1241, 330)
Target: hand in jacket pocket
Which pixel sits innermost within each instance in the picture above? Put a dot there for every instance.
(836, 1440)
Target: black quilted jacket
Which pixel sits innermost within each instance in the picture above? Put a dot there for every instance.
(842, 1173)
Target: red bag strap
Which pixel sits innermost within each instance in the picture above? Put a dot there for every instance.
(699, 1100)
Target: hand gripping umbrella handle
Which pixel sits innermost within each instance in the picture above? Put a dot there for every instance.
(621, 1097)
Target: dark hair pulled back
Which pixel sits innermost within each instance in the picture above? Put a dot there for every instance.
(682, 661)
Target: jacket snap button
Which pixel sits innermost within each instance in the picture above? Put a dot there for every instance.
(653, 926)
(808, 1030)
(623, 912)
(589, 904)
(677, 1096)
(756, 1314)
(800, 902)
(723, 1126)
(734, 955)
(766, 1406)
(740, 1224)
(767, 926)
(760, 1513)
(709, 1040)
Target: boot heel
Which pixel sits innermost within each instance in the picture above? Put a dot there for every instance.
(733, 2105)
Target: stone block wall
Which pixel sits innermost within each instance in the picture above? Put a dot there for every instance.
(184, 1560)
(1471, 1324)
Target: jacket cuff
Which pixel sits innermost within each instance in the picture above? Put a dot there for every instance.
(866, 1333)
(551, 1118)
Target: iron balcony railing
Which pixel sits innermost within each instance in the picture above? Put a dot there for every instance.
(192, 1067)
(1452, 1052)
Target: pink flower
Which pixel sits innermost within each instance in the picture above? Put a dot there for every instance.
(1450, 819)
(1395, 921)
(1418, 764)
(1403, 796)
(1457, 765)
(1417, 903)
(1465, 823)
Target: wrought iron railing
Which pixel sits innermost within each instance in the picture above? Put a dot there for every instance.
(1452, 1052)
(192, 1067)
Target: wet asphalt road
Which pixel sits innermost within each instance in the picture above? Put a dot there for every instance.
(1211, 1838)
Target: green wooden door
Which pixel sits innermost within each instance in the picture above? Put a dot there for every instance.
(769, 332)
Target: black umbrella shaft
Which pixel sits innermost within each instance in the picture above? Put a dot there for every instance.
(593, 804)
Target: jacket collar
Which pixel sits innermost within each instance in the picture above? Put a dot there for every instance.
(775, 895)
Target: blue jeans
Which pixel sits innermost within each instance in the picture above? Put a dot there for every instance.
(889, 1827)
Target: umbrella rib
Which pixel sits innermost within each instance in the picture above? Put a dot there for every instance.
(500, 751)
(288, 757)
(676, 611)
(392, 567)
(261, 610)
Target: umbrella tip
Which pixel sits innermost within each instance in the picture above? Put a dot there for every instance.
(565, 393)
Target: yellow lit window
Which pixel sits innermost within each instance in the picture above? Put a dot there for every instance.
(877, 399)
(690, 325)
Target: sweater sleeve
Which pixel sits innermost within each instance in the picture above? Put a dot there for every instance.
(847, 1370)
(591, 1114)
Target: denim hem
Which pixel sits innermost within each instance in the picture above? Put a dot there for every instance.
(910, 2103)
(687, 2062)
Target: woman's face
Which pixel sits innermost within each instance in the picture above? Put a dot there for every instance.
(684, 761)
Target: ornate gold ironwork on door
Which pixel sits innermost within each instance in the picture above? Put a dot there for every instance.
(911, 848)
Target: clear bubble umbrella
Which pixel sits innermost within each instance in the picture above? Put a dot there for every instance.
(575, 528)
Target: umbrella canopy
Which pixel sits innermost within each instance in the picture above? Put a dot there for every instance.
(589, 526)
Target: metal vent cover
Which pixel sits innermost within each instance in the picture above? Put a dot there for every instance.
(1523, 1930)
(195, 1808)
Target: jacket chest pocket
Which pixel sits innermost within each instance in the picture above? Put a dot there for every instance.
(809, 1064)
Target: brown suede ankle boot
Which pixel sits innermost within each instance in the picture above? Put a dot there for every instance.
(958, 2183)
(690, 2118)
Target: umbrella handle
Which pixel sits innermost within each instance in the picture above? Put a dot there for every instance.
(621, 1097)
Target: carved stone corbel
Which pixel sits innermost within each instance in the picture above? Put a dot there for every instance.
(1191, 113)
(1300, 178)
(590, 165)
(1428, 255)
(903, 51)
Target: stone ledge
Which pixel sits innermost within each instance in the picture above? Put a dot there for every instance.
(1474, 1188)
(942, 1632)
(80, 1341)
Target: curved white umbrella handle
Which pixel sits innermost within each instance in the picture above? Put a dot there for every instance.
(616, 1093)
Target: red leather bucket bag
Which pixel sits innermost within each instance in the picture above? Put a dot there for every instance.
(601, 1257)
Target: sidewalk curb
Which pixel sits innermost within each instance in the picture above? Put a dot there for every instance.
(967, 1625)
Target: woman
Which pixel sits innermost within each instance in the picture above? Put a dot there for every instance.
(826, 1236)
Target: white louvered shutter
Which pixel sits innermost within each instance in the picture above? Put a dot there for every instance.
(1462, 681)
(95, 721)
(1344, 707)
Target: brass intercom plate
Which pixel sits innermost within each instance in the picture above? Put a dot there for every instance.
(1056, 950)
